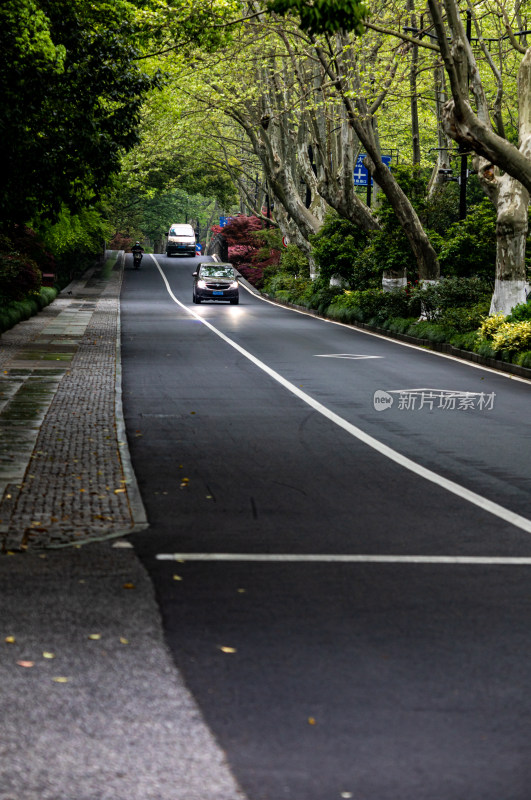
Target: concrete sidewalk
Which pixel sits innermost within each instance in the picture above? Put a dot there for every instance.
(91, 704)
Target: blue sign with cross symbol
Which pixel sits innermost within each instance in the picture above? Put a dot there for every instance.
(361, 173)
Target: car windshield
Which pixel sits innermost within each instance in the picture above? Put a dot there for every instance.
(217, 271)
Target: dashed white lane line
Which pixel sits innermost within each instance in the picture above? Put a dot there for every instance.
(439, 480)
(345, 559)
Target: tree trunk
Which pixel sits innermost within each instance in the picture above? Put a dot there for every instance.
(415, 128)
(459, 120)
(360, 117)
(511, 237)
(443, 166)
(511, 199)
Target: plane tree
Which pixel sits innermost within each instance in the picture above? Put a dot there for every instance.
(476, 123)
(480, 64)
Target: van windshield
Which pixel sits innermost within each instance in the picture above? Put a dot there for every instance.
(181, 230)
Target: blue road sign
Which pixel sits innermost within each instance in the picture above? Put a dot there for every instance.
(224, 221)
(361, 173)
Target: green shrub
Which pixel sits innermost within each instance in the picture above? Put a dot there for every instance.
(343, 313)
(339, 249)
(19, 276)
(293, 261)
(485, 335)
(431, 331)
(520, 312)
(465, 341)
(75, 241)
(484, 348)
(523, 359)
(512, 336)
(319, 297)
(294, 289)
(464, 318)
(374, 304)
(449, 293)
(399, 324)
(469, 245)
(18, 310)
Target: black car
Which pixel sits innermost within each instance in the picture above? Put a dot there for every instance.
(216, 282)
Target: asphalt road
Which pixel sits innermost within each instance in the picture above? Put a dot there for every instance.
(393, 663)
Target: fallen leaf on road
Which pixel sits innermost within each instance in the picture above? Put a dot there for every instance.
(26, 663)
(123, 640)
(177, 578)
(10, 639)
(117, 491)
(228, 649)
(129, 586)
(48, 655)
(94, 636)
(311, 720)
(60, 679)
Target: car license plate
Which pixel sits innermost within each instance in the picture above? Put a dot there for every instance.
(217, 292)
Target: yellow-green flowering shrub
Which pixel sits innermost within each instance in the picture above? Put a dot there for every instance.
(515, 336)
(490, 325)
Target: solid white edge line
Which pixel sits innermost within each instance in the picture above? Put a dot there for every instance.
(344, 559)
(507, 375)
(444, 483)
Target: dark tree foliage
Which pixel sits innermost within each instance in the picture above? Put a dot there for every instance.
(324, 16)
(72, 95)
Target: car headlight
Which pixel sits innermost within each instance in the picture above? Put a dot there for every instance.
(201, 285)
(234, 285)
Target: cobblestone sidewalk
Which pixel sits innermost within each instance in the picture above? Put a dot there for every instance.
(65, 474)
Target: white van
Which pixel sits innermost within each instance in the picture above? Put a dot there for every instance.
(181, 240)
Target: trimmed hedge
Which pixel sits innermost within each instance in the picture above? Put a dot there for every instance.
(19, 310)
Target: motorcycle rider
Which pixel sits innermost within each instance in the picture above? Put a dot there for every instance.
(138, 254)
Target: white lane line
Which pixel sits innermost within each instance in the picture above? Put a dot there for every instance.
(439, 480)
(344, 559)
(344, 355)
(354, 328)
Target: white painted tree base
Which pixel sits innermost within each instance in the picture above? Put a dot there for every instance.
(392, 284)
(507, 295)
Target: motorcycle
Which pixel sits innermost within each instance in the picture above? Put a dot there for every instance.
(137, 258)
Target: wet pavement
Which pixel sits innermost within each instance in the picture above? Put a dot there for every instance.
(65, 475)
(92, 705)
